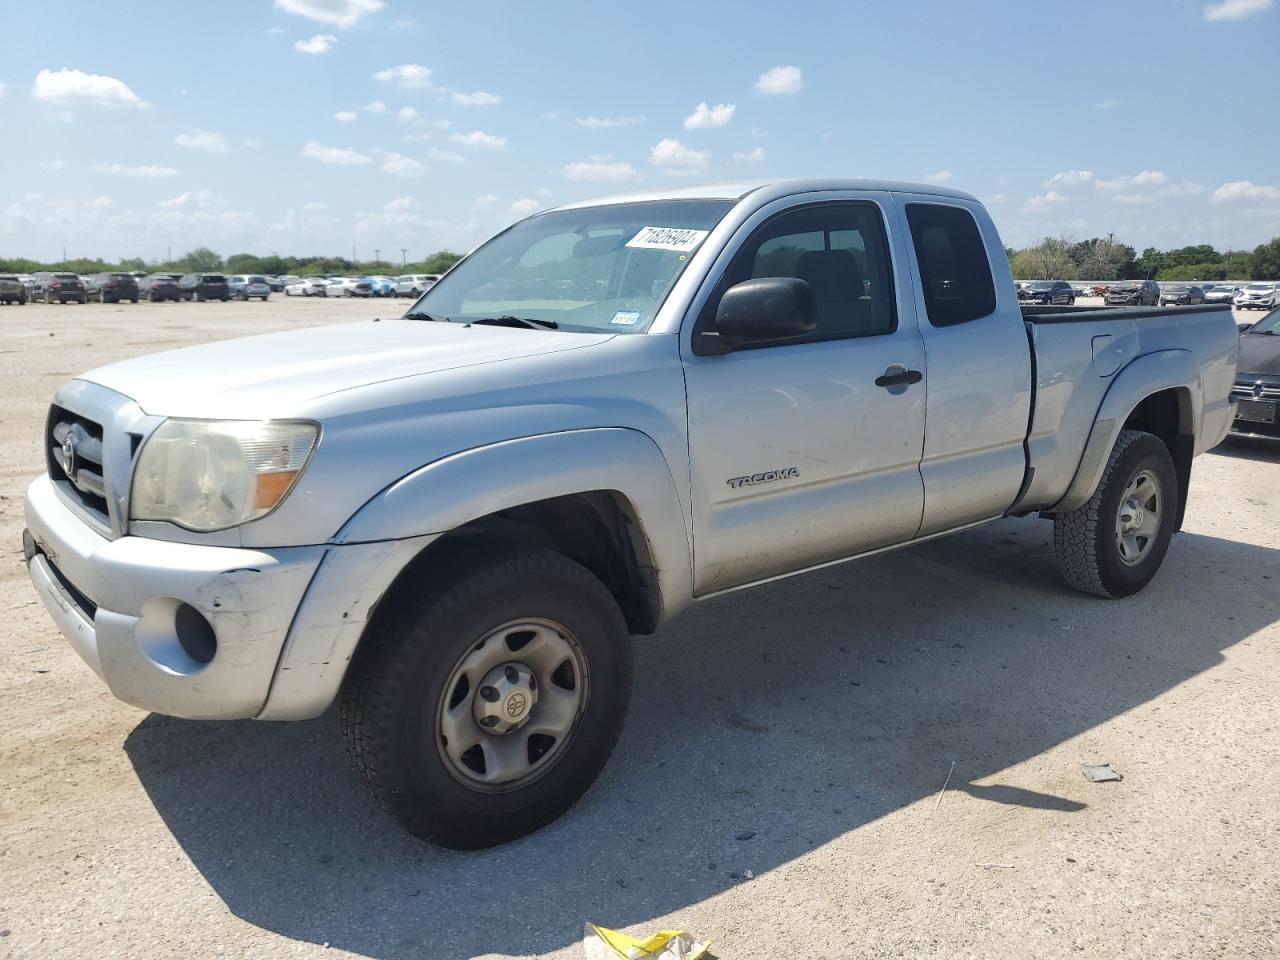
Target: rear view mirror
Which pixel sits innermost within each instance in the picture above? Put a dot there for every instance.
(768, 308)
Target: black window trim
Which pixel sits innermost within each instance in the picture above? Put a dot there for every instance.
(705, 321)
(930, 200)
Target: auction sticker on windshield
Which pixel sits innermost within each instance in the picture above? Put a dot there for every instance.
(667, 238)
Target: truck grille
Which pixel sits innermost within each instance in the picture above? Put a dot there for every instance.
(1244, 390)
(74, 446)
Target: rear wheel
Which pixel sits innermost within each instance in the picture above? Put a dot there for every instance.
(1113, 545)
(483, 709)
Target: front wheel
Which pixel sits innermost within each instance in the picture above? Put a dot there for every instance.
(482, 709)
(1113, 545)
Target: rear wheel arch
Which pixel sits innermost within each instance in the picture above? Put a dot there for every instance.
(1169, 415)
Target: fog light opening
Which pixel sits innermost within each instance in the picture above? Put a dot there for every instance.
(195, 633)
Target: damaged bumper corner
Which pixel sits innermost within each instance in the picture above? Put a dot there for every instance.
(121, 604)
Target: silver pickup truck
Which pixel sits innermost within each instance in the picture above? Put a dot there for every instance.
(452, 522)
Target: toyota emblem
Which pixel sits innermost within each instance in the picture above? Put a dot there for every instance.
(69, 466)
(516, 704)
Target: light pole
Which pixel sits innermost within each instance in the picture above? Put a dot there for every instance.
(377, 257)
(404, 253)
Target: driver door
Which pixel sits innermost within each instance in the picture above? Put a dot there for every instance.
(798, 457)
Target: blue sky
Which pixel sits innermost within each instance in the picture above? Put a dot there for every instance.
(316, 126)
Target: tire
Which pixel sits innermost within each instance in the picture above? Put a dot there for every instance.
(394, 702)
(1087, 540)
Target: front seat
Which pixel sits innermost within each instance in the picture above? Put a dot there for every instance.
(838, 288)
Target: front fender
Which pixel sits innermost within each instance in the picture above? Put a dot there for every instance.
(457, 489)
(1147, 375)
(393, 527)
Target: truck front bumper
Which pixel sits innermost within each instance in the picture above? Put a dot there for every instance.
(126, 607)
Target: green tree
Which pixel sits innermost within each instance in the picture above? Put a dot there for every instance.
(199, 259)
(1264, 262)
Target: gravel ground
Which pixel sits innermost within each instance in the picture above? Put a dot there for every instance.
(778, 785)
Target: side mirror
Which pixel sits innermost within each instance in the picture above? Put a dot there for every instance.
(1242, 327)
(767, 308)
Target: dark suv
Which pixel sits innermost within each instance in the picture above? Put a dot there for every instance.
(204, 286)
(1133, 293)
(1047, 291)
(12, 290)
(59, 287)
(111, 287)
(159, 286)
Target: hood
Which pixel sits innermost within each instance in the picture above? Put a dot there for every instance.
(274, 375)
(1259, 354)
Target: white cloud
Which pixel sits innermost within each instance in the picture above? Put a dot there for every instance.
(997, 198)
(75, 87)
(335, 156)
(486, 199)
(402, 166)
(374, 106)
(52, 165)
(477, 99)
(1133, 199)
(941, 176)
(409, 76)
(1235, 9)
(142, 170)
(1245, 190)
(1070, 178)
(751, 156)
(672, 156)
(1144, 178)
(253, 143)
(599, 169)
(273, 31)
(523, 207)
(446, 156)
(422, 136)
(1186, 188)
(320, 43)
(479, 140)
(607, 123)
(202, 140)
(345, 116)
(1046, 201)
(340, 13)
(404, 23)
(1, 89)
(709, 118)
(780, 81)
(1108, 104)
(408, 115)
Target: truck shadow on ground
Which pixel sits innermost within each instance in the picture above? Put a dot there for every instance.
(794, 714)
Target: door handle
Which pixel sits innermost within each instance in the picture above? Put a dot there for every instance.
(897, 376)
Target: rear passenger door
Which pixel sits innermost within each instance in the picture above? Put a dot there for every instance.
(798, 456)
(979, 361)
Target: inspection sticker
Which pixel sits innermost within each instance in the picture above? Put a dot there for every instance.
(625, 318)
(667, 238)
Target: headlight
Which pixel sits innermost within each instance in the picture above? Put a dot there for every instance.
(213, 474)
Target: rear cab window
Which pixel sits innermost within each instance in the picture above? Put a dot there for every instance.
(955, 274)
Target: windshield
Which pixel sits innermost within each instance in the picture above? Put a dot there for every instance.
(605, 268)
(1039, 286)
(1270, 324)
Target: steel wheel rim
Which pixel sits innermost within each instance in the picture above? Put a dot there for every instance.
(496, 760)
(1138, 518)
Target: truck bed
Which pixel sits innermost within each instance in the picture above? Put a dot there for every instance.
(1064, 314)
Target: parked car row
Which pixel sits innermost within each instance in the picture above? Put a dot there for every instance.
(1263, 295)
(411, 285)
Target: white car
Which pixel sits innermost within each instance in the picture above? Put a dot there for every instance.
(347, 287)
(415, 284)
(306, 287)
(1258, 296)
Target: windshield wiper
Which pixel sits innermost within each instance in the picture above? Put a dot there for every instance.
(529, 323)
(420, 315)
